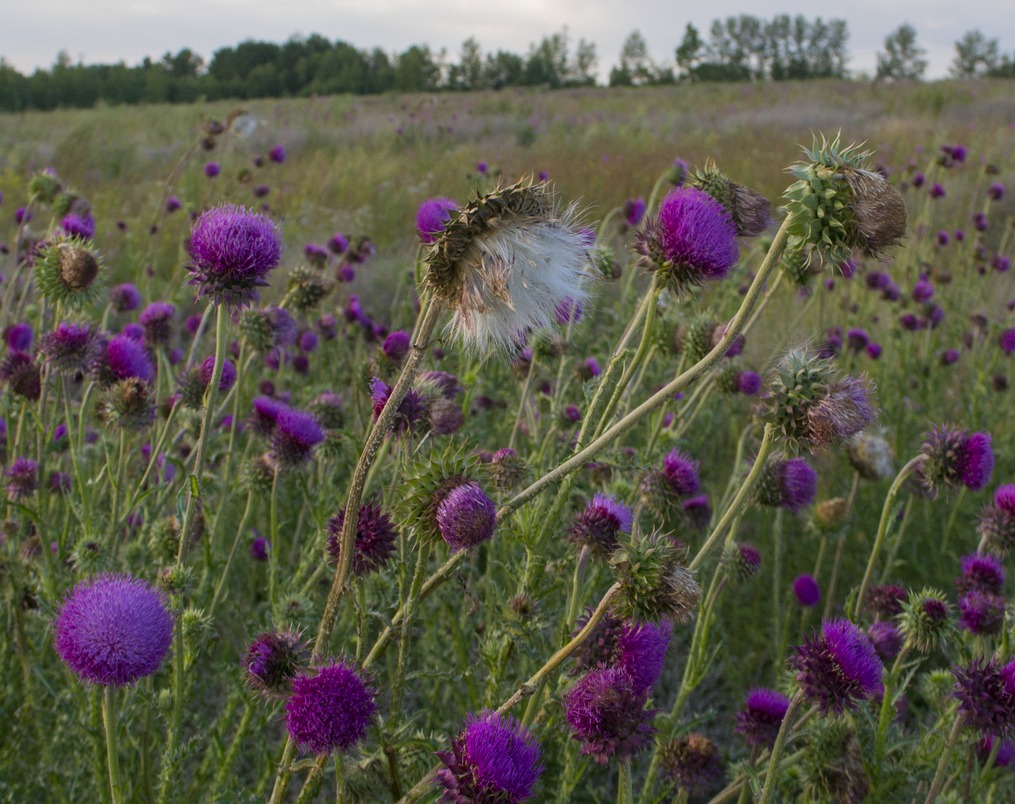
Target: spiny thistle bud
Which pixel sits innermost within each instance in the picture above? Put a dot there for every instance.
(955, 457)
(925, 620)
(327, 407)
(691, 240)
(815, 408)
(750, 210)
(654, 584)
(257, 474)
(871, 455)
(69, 348)
(741, 562)
(830, 515)
(128, 404)
(798, 267)
(832, 766)
(306, 288)
(66, 271)
(605, 262)
(692, 762)
(504, 262)
(836, 206)
(507, 469)
(45, 186)
(443, 503)
(272, 661)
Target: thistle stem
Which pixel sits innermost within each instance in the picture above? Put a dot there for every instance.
(942, 765)
(780, 742)
(109, 721)
(883, 527)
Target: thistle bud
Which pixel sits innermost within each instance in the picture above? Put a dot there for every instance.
(66, 272)
(741, 562)
(272, 661)
(925, 620)
(955, 457)
(306, 288)
(750, 210)
(654, 584)
(128, 404)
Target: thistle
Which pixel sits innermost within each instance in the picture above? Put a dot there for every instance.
(505, 262)
(837, 206)
(654, 583)
(925, 620)
(66, 272)
(750, 210)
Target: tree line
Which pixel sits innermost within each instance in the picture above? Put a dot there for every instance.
(740, 48)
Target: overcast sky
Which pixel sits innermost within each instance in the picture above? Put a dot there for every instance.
(104, 31)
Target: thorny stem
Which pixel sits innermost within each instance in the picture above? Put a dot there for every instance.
(942, 766)
(883, 527)
(780, 742)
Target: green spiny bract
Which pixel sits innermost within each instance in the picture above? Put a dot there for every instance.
(837, 206)
(427, 484)
(698, 338)
(925, 620)
(801, 381)
(750, 210)
(654, 583)
(306, 288)
(832, 764)
(66, 271)
(128, 404)
(796, 264)
(257, 329)
(605, 262)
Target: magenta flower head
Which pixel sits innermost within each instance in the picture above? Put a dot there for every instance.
(762, 716)
(396, 345)
(69, 348)
(692, 240)
(982, 613)
(228, 378)
(599, 526)
(232, 251)
(680, 474)
(266, 411)
(375, 538)
(996, 525)
(126, 358)
(277, 154)
(295, 436)
(272, 661)
(637, 648)
(886, 639)
(125, 298)
(431, 217)
(807, 591)
(986, 694)
(466, 517)
(412, 410)
(212, 169)
(1006, 340)
(954, 456)
(113, 630)
(22, 478)
(787, 483)
(329, 711)
(980, 574)
(493, 759)
(634, 211)
(607, 716)
(838, 668)
(157, 320)
(78, 226)
(885, 601)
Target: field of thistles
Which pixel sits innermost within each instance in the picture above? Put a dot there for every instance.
(647, 446)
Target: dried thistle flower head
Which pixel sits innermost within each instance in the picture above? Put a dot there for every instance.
(837, 206)
(750, 210)
(66, 272)
(506, 261)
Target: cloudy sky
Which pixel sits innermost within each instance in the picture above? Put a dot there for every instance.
(103, 31)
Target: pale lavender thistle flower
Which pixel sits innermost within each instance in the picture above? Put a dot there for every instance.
(466, 517)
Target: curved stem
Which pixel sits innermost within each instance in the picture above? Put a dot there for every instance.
(581, 457)
(886, 510)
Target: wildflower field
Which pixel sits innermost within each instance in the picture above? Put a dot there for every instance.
(637, 445)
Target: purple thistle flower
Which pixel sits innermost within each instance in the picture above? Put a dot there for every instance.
(697, 236)
(954, 456)
(431, 217)
(937, 190)
(375, 538)
(22, 215)
(857, 339)
(228, 378)
(69, 348)
(599, 526)
(923, 291)
(1005, 756)
(272, 661)
(838, 668)
(845, 410)
(113, 630)
(265, 414)
(329, 711)
(494, 759)
(873, 350)
(294, 438)
(212, 169)
(22, 478)
(482, 167)
(980, 573)
(680, 474)
(749, 383)
(173, 204)
(157, 320)
(885, 600)
(697, 510)
(22, 375)
(692, 761)
(396, 345)
(986, 694)
(949, 357)
(982, 613)
(19, 337)
(807, 591)
(762, 716)
(886, 639)
(316, 254)
(1006, 340)
(126, 358)
(943, 237)
(259, 549)
(308, 341)
(233, 250)
(641, 652)
(634, 211)
(466, 516)
(412, 410)
(125, 298)
(607, 716)
(78, 226)
(277, 154)
(338, 243)
(996, 191)
(133, 331)
(788, 483)
(568, 311)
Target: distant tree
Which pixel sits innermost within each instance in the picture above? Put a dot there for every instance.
(468, 73)
(689, 52)
(185, 64)
(582, 72)
(975, 55)
(416, 70)
(902, 57)
(636, 67)
(547, 62)
(503, 69)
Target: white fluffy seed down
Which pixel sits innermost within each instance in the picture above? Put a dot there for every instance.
(518, 274)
